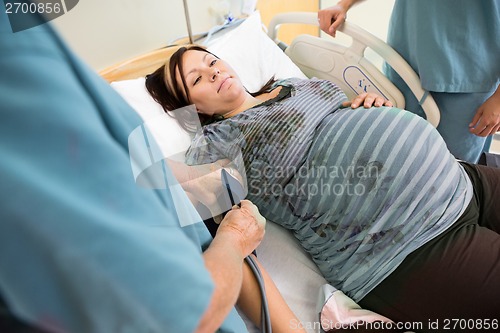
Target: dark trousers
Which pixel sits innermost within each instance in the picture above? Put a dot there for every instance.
(451, 283)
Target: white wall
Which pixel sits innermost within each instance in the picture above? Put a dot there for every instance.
(103, 32)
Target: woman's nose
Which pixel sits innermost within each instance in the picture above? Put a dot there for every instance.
(215, 73)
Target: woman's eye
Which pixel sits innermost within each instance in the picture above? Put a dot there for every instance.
(197, 80)
(213, 62)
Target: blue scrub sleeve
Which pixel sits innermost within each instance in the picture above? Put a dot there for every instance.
(82, 247)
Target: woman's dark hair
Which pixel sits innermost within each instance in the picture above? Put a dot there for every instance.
(165, 89)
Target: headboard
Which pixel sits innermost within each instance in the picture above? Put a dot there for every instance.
(138, 66)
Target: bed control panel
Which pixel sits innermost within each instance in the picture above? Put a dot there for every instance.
(359, 82)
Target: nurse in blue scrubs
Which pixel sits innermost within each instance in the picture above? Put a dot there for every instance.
(453, 46)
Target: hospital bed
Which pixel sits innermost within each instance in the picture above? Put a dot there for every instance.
(256, 57)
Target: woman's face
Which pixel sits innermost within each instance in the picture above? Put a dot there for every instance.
(213, 85)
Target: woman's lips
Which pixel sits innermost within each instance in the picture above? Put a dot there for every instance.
(222, 84)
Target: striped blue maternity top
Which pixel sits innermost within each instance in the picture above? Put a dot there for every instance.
(360, 189)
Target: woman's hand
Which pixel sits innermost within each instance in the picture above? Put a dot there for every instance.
(367, 100)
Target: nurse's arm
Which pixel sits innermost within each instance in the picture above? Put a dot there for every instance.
(239, 233)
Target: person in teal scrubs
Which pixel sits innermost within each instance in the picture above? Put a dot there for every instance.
(83, 248)
(453, 46)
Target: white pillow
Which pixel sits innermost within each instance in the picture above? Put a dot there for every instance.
(170, 137)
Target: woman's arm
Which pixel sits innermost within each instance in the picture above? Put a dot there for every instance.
(203, 183)
(283, 320)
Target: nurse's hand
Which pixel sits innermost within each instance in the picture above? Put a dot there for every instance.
(486, 121)
(367, 100)
(240, 232)
(331, 18)
(244, 227)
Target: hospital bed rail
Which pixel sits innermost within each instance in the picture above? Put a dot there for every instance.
(347, 66)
